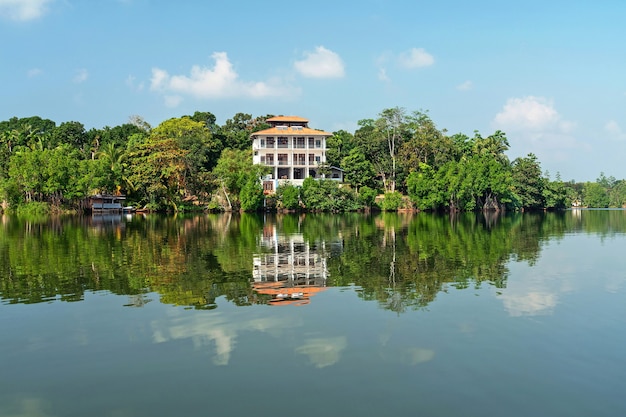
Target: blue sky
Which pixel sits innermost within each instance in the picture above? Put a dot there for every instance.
(551, 74)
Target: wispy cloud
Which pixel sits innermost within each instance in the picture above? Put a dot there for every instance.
(220, 81)
(382, 75)
(80, 76)
(465, 86)
(131, 82)
(23, 10)
(614, 130)
(172, 101)
(416, 58)
(408, 60)
(34, 72)
(322, 63)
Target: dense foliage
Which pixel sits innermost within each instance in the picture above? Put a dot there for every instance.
(191, 162)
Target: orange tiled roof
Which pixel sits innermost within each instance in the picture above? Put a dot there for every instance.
(282, 295)
(290, 131)
(288, 119)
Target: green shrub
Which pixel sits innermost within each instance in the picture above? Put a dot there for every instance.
(33, 209)
(288, 196)
(392, 201)
(367, 196)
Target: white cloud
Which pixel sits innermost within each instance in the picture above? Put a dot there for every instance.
(382, 75)
(323, 63)
(465, 86)
(416, 58)
(81, 76)
(23, 10)
(34, 72)
(221, 81)
(172, 101)
(533, 124)
(614, 130)
(531, 113)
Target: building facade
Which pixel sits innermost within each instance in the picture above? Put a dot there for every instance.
(292, 149)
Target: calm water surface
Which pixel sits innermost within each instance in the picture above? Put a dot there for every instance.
(351, 315)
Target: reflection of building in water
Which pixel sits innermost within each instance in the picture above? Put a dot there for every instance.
(107, 223)
(292, 270)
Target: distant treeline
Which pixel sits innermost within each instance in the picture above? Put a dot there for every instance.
(192, 163)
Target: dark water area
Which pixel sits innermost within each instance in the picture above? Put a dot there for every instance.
(366, 315)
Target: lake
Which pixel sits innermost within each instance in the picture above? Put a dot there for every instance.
(387, 314)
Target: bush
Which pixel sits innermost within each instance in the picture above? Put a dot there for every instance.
(367, 196)
(392, 201)
(288, 196)
(328, 195)
(33, 209)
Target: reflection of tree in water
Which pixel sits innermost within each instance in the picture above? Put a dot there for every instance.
(404, 263)
(399, 260)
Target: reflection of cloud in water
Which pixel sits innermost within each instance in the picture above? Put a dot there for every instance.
(535, 291)
(25, 407)
(614, 284)
(214, 327)
(408, 355)
(323, 352)
(533, 303)
(418, 355)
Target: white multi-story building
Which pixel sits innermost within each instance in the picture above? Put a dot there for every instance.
(291, 148)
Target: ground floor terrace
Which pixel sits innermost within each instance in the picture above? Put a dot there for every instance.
(296, 176)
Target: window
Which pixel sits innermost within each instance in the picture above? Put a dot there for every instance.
(270, 142)
(311, 142)
(283, 142)
(262, 142)
(318, 143)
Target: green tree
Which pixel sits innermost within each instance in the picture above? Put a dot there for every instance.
(73, 134)
(235, 134)
(595, 195)
(338, 146)
(390, 125)
(233, 170)
(357, 170)
(369, 142)
(528, 183)
(425, 144)
(251, 195)
(158, 170)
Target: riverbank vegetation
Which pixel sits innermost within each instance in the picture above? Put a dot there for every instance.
(396, 161)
